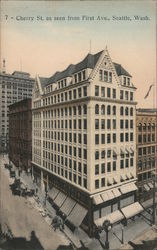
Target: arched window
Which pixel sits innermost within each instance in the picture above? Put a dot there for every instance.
(108, 109)
(153, 127)
(96, 109)
(85, 109)
(114, 110)
(149, 126)
(144, 126)
(139, 127)
(103, 109)
(79, 110)
(121, 110)
(131, 111)
(126, 111)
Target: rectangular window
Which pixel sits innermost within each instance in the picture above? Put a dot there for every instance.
(96, 139)
(74, 93)
(96, 123)
(102, 91)
(96, 90)
(124, 81)
(108, 124)
(108, 92)
(103, 124)
(100, 75)
(102, 139)
(114, 93)
(79, 93)
(110, 76)
(96, 169)
(79, 77)
(103, 182)
(121, 124)
(105, 76)
(109, 167)
(108, 138)
(121, 94)
(126, 95)
(103, 168)
(114, 138)
(121, 137)
(96, 184)
(131, 96)
(85, 91)
(114, 165)
(114, 124)
(121, 164)
(126, 137)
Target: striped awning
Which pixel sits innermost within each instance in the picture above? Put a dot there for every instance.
(67, 206)
(150, 185)
(130, 187)
(97, 199)
(114, 217)
(146, 187)
(52, 193)
(132, 210)
(116, 192)
(60, 198)
(77, 215)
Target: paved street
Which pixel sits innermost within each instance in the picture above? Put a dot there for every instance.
(22, 219)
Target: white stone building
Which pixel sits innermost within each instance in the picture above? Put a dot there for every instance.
(13, 88)
(84, 141)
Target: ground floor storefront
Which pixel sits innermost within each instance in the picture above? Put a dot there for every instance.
(80, 209)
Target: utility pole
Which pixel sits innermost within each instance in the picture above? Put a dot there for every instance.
(154, 205)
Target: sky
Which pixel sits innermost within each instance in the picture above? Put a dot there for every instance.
(35, 39)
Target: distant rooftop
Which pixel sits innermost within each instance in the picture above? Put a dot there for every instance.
(144, 110)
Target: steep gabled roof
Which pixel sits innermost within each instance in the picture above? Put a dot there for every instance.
(120, 70)
(43, 81)
(88, 62)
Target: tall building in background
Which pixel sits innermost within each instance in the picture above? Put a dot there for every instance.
(20, 134)
(146, 137)
(13, 88)
(84, 143)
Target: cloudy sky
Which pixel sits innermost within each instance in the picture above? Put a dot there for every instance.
(45, 46)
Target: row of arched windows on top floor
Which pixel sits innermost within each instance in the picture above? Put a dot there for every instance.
(146, 126)
(112, 110)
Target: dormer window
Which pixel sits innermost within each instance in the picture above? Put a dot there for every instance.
(110, 76)
(105, 76)
(84, 74)
(79, 77)
(124, 81)
(75, 78)
(100, 74)
(128, 81)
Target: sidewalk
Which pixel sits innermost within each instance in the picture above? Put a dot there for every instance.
(79, 237)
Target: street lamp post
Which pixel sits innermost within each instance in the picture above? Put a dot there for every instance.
(107, 227)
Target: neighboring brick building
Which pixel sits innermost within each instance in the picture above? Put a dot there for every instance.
(13, 88)
(20, 134)
(146, 138)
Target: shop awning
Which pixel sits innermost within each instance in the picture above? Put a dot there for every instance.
(128, 175)
(130, 187)
(110, 180)
(107, 195)
(77, 215)
(146, 187)
(97, 199)
(132, 210)
(127, 150)
(150, 185)
(104, 196)
(114, 217)
(60, 198)
(123, 177)
(116, 192)
(122, 151)
(115, 153)
(67, 206)
(52, 193)
(115, 179)
(131, 150)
